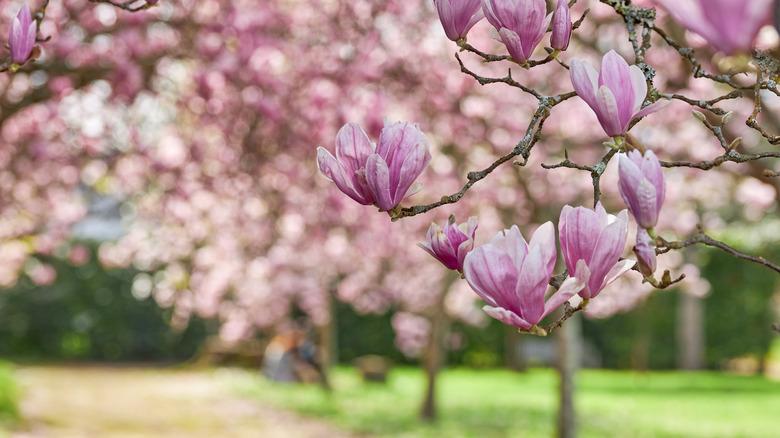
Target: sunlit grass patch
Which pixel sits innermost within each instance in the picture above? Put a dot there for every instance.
(9, 394)
(499, 403)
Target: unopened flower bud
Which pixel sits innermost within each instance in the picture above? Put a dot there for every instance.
(699, 115)
(450, 244)
(726, 117)
(642, 186)
(645, 252)
(22, 36)
(737, 141)
(561, 31)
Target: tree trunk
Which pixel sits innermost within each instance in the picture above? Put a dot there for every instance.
(641, 348)
(569, 341)
(514, 352)
(690, 332)
(434, 358)
(329, 342)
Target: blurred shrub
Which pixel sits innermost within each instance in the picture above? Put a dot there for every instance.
(9, 394)
(739, 314)
(360, 335)
(737, 317)
(90, 313)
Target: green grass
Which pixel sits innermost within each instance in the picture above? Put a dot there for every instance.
(497, 403)
(9, 394)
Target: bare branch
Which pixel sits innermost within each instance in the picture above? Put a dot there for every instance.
(663, 246)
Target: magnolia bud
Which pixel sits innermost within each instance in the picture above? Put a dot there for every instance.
(561, 30)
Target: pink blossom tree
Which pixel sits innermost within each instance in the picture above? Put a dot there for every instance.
(202, 117)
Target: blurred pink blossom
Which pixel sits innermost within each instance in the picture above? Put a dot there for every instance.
(731, 26)
(78, 255)
(42, 274)
(411, 333)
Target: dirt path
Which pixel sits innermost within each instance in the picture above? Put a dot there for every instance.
(123, 402)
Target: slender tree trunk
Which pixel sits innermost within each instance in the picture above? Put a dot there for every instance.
(329, 342)
(435, 356)
(569, 341)
(690, 332)
(641, 348)
(514, 352)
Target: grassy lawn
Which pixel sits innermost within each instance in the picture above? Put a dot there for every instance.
(9, 394)
(498, 403)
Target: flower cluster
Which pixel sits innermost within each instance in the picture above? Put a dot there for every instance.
(384, 174)
(520, 24)
(511, 274)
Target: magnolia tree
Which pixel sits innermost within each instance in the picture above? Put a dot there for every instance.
(202, 117)
(511, 274)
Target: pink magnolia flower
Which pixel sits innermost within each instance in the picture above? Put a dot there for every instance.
(642, 186)
(591, 243)
(450, 244)
(383, 175)
(561, 31)
(512, 276)
(22, 36)
(458, 16)
(615, 93)
(729, 25)
(521, 24)
(645, 252)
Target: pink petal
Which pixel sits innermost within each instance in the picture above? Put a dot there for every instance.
(649, 109)
(332, 169)
(584, 78)
(531, 287)
(352, 147)
(608, 112)
(492, 275)
(544, 238)
(378, 179)
(507, 317)
(619, 269)
(568, 289)
(639, 83)
(615, 75)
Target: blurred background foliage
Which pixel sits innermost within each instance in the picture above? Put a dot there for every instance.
(91, 313)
